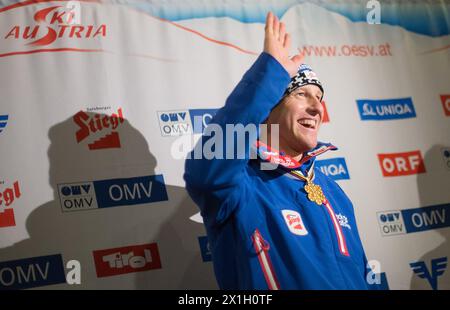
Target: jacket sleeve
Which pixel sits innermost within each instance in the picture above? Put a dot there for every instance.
(217, 184)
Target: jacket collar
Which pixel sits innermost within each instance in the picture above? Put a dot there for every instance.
(270, 154)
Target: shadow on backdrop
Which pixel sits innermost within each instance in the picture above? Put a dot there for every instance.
(434, 189)
(77, 234)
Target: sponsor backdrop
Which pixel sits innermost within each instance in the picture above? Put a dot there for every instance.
(98, 100)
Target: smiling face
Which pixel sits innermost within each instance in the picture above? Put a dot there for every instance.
(299, 116)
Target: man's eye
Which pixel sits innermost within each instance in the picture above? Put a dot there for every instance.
(300, 94)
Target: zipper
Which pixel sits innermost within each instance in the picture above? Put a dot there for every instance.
(342, 244)
(262, 248)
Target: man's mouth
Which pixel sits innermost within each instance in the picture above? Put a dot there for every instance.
(309, 123)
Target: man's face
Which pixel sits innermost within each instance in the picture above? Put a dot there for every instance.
(299, 116)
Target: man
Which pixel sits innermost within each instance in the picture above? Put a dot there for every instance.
(288, 228)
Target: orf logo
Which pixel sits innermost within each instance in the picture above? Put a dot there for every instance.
(446, 104)
(7, 198)
(294, 222)
(397, 164)
(127, 259)
(54, 23)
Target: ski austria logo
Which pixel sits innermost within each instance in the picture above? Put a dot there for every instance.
(386, 109)
(3, 122)
(400, 164)
(111, 193)
(445, 99)
(438, 267)
(32, 272)
(204, 248)
(294, 222)
(399, 222)
(55, 23)
(99, 124)
(184, 122)
(8, 196)
(335, 168)
(343, 220)
(127, 259)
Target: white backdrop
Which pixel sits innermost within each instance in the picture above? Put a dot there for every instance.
(90, 108)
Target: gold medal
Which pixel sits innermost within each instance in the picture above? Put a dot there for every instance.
(314, 191)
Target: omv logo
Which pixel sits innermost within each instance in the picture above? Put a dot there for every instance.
(438, 266)
(184, 122)
(32, 272)
(3, 122)
(386, 109)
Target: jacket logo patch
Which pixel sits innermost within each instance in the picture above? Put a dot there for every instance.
(294, 222)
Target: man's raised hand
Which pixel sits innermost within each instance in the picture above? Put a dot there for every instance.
(277, 43)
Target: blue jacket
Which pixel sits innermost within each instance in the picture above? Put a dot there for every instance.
(263, 231)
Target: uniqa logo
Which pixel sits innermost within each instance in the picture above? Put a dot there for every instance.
(386, 109)
(54, 23)
(381, 110)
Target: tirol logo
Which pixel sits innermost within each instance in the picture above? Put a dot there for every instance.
(414, 220)
(111, 193)
(7, 197)
(438, 266)
(3, 122)
(182, 122)
(446, 156)
(399, 164)
(336, 168)
(32, 272)
(386, 109)
(105, 125)
(55, 23)
(204, 248)
(446, 104)
(294, 222)
(128, 259)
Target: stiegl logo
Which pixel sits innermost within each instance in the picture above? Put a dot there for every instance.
(96, 124)
(55, 23)
(7, 198)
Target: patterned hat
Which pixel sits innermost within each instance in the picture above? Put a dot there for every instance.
(305, 75)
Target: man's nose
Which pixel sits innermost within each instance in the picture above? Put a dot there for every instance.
(315, 105)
